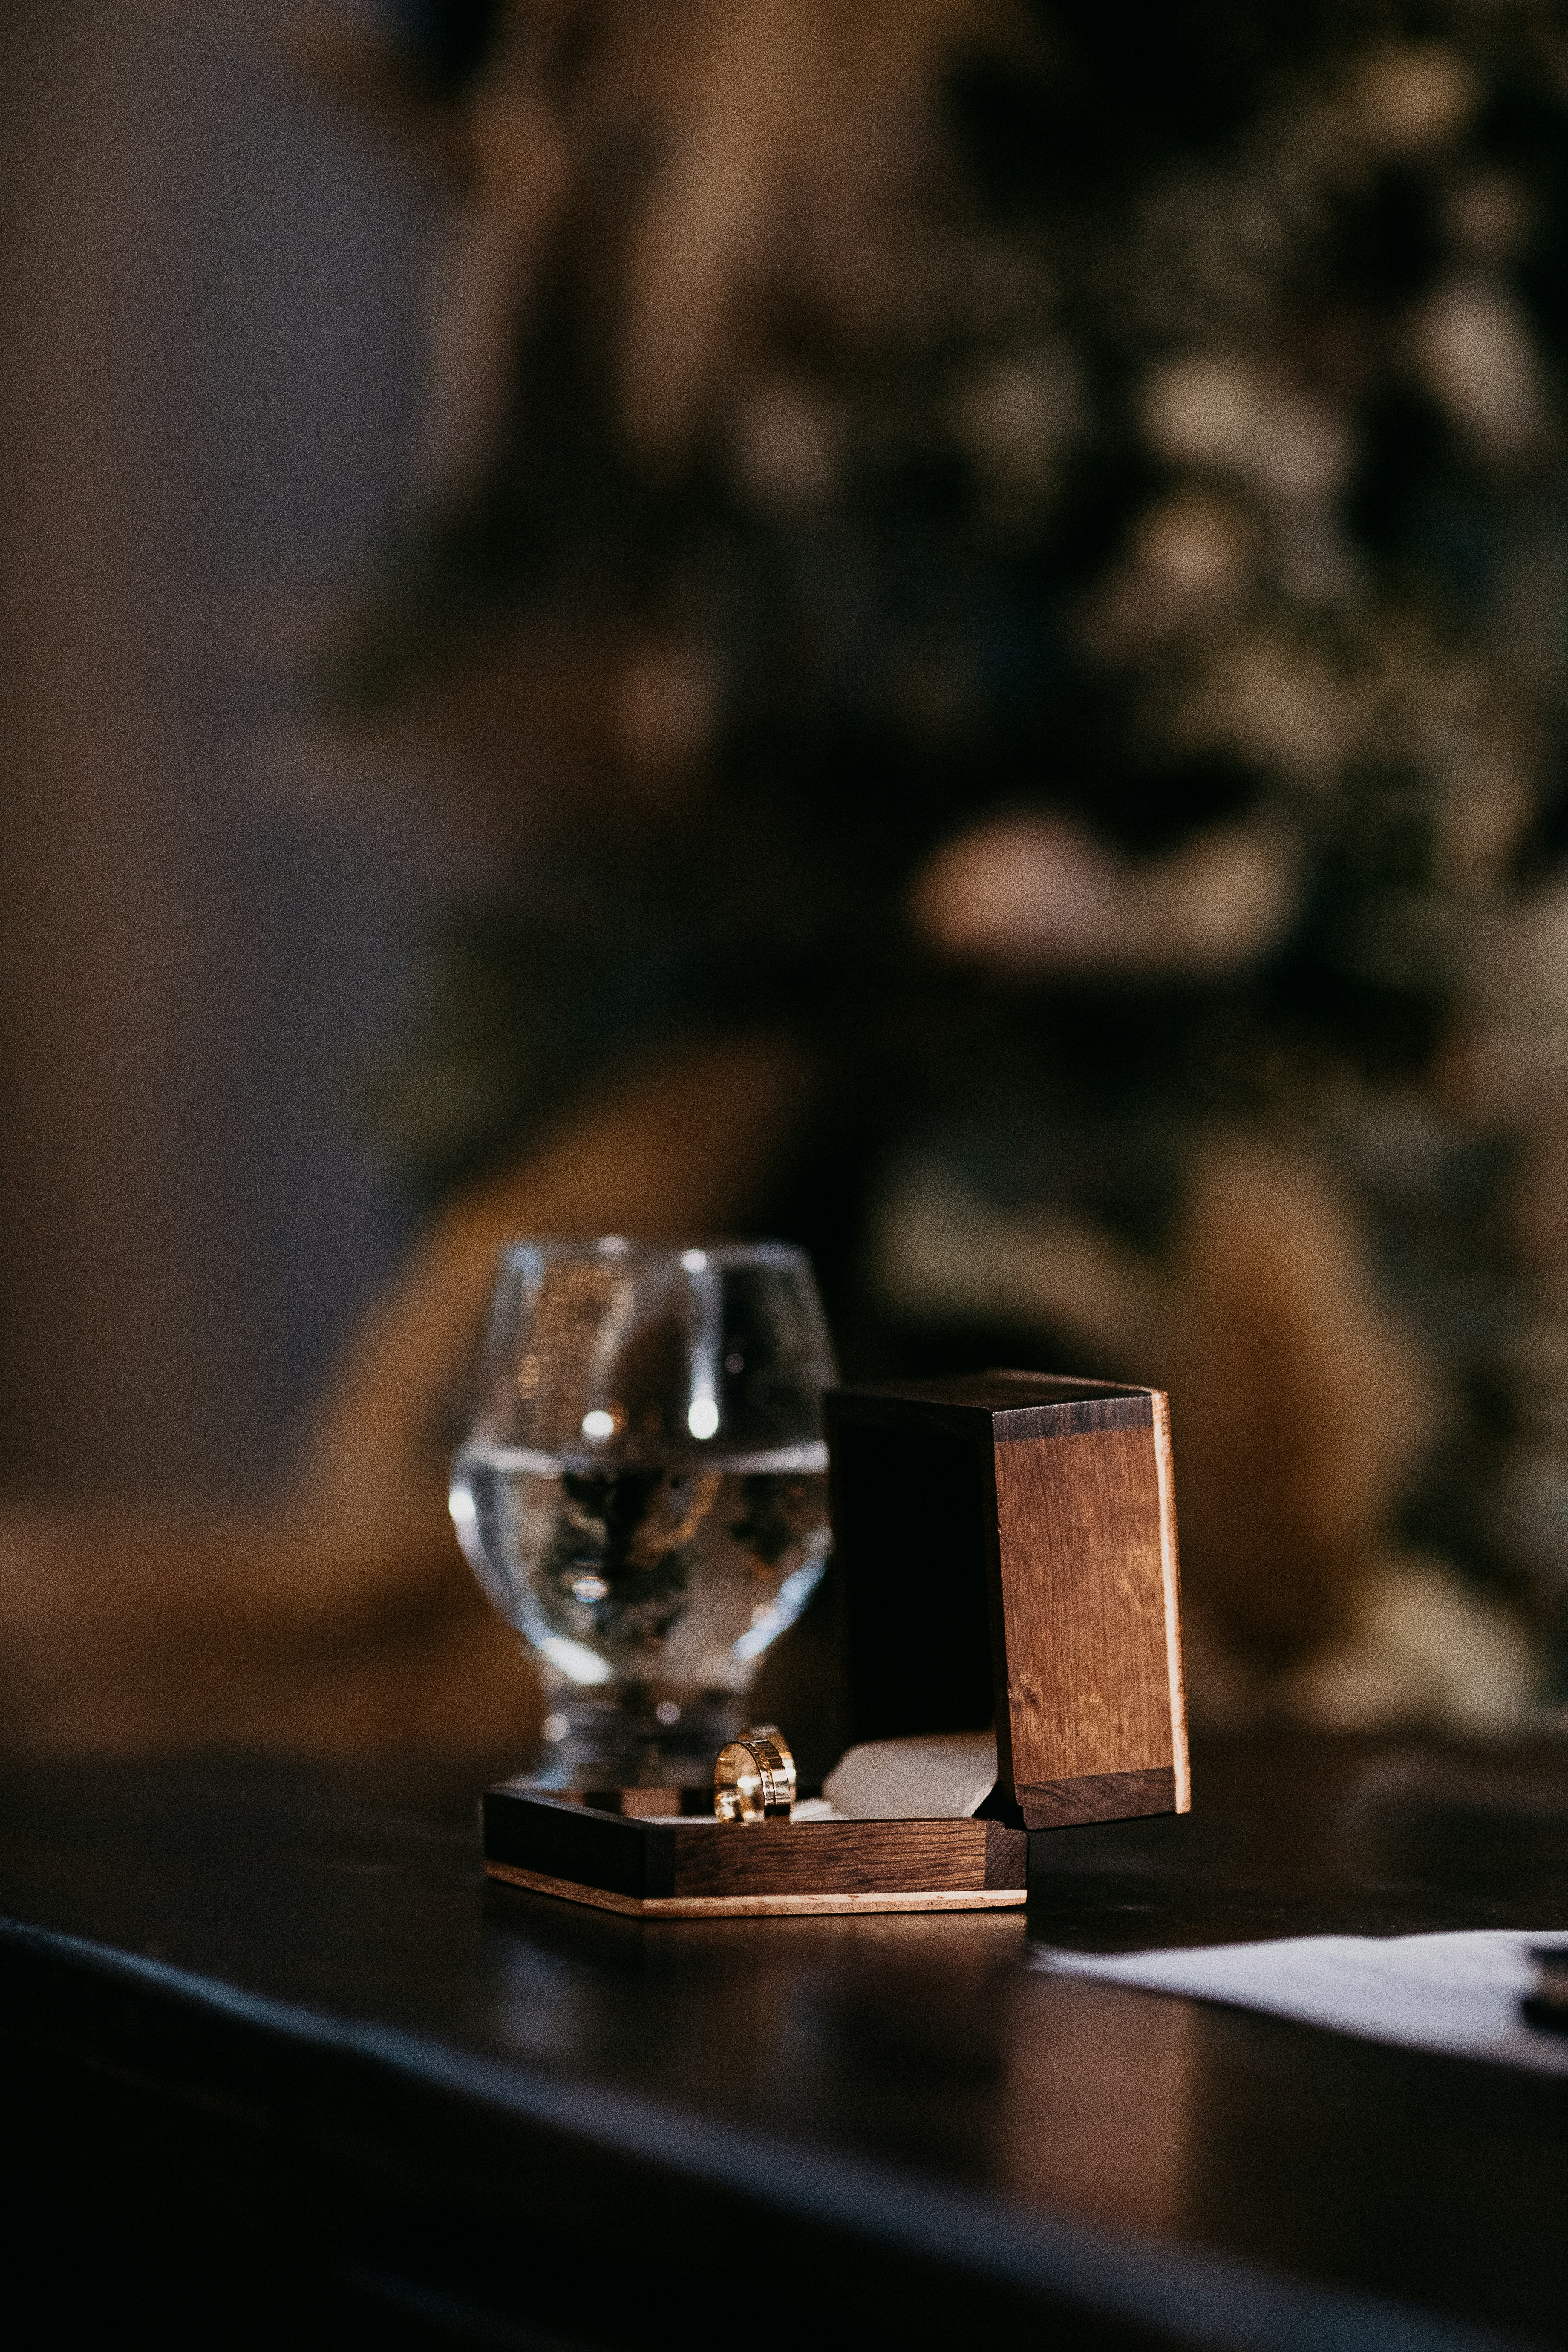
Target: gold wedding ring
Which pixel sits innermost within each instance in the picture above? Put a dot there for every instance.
(753, 1779)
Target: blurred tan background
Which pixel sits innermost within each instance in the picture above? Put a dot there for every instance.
(990, 704)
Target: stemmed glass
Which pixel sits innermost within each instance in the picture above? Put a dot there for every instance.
(642, 1489)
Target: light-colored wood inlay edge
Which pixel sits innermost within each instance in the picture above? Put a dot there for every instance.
(755, 1906)
(1169, 1569)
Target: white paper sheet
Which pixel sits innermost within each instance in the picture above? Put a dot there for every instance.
(1458, 1992)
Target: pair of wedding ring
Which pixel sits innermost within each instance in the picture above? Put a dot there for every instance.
(754, 1780)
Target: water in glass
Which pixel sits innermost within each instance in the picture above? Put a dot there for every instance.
(642, 1490)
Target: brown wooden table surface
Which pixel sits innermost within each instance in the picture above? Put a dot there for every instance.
(277, 2067)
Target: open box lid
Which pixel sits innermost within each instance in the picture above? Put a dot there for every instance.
(1008, 1547)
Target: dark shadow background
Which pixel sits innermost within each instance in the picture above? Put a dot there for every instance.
(209, 289)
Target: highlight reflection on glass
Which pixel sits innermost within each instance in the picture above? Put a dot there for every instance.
(642, 1490)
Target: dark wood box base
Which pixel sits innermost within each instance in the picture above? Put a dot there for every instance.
(700, 1869)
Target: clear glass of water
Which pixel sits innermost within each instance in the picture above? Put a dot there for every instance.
(642, 1490)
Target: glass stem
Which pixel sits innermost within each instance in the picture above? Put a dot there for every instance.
(618, 1737)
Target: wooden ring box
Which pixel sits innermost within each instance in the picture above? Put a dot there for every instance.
(1008, 1546)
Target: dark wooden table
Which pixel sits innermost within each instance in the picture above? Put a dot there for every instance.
(278, 2069)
